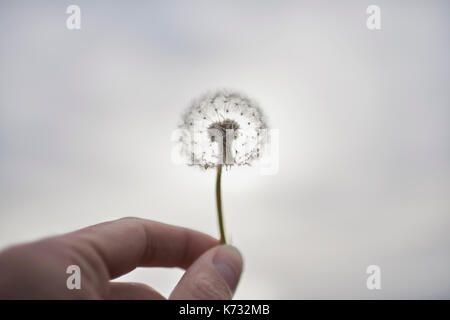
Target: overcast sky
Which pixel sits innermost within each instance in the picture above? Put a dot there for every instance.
(86, 118)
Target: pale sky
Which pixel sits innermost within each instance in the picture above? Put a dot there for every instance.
(86, 118)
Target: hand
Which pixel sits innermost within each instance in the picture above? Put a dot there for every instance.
(108, 250)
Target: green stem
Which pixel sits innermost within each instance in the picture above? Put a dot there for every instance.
(219, 204)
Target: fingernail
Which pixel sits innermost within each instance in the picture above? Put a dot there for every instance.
(228, 263)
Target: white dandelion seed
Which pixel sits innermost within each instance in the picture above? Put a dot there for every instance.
(222, 128)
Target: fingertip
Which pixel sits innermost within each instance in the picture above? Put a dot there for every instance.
(228, 263)
(214, 275)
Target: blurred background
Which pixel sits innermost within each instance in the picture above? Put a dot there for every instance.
(86, 118)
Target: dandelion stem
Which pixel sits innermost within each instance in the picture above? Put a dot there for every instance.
(219, 204)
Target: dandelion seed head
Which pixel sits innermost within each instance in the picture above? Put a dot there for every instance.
(223, 127)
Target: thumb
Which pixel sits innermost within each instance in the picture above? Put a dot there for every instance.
(213, 276)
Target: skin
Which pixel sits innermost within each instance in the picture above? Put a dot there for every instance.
(105, 251)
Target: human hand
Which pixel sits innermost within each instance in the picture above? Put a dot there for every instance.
(37, 270)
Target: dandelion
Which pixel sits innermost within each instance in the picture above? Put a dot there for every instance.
(224, 128)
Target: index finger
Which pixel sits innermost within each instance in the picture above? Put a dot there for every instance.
(124, 244)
